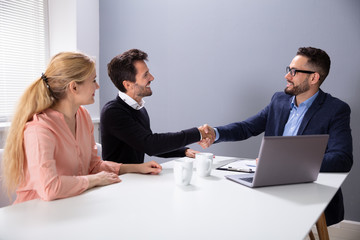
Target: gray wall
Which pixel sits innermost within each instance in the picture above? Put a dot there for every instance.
(218, 62)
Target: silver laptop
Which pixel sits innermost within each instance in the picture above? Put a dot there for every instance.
(286, 160)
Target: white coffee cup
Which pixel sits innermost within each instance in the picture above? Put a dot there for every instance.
(204, 164)
(183, 170)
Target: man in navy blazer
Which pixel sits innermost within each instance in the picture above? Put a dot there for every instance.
(303, 109)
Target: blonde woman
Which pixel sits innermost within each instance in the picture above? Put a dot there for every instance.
(50, 151)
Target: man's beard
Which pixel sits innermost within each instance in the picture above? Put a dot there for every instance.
(143, 91)
(296, 90)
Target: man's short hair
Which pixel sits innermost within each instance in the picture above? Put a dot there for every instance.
(122, 67)
(318, 59)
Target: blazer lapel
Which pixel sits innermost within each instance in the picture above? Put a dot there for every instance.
(284, 116)
(311, 111)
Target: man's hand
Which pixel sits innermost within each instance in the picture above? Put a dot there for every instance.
(208, 136)
(190, 153)
(151, 167)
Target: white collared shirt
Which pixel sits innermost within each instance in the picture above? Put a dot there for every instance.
(131, 102)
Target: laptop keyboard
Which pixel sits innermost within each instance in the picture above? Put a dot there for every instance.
(248, 179)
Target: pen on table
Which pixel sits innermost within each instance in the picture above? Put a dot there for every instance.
(249, 170)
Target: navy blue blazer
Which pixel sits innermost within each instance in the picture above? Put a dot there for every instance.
(326, 115)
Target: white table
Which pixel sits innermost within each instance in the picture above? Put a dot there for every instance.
(153, 207)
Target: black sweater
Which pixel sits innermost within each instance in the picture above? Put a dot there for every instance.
(126, 135)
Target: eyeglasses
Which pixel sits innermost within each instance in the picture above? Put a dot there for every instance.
(293, 71)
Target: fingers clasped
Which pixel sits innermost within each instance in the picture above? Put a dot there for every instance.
(207, 136)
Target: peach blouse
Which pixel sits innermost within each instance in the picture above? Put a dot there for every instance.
(56, 161)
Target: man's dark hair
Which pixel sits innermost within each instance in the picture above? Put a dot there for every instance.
(318, 59)
(122, 67)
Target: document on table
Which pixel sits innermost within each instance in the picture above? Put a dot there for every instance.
(240, 165)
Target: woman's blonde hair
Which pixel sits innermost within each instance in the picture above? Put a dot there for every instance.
(43, 93)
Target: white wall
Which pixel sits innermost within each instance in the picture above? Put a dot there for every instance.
(62, 26)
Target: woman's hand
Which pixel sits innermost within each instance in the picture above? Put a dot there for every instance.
(102, 178)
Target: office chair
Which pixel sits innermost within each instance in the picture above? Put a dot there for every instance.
(99, 150)
(4, 199)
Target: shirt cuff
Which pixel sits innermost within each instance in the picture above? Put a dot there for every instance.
(217, 134)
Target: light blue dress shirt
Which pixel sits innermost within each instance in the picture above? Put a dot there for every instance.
(296, 115)
(217, 134)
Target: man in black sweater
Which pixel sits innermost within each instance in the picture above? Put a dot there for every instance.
(125, 125)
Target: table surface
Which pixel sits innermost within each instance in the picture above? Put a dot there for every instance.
(153, 207)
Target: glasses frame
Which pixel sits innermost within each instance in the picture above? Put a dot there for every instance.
(293, 70)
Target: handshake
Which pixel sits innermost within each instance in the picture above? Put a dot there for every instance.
(207, 136)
